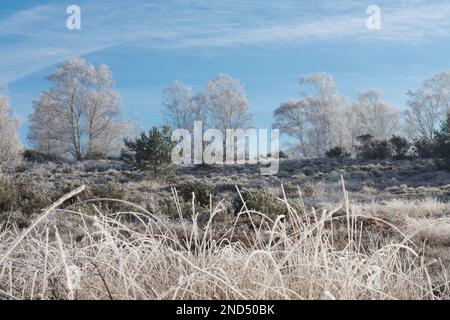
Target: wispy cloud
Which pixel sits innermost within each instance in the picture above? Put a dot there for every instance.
(35, 38)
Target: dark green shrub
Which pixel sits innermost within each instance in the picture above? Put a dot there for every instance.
(96, 155)
(373, 149)
(442, 138)
(201, 189)
(167, 207)
(7, 195)
(110, 189)
(260, 200)
(64, 187)
(400, 147)
(338, 153)
(22, 197)
(382, 150)
(30, 197)
(127, 157)
(424, 148)
(39, 157)
(365, 138)
(283, 155)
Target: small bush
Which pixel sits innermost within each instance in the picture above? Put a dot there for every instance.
(108, 190)
(263, 201)
(338, 153)
(64, 187)
(96, 155)
(290, 190)
(400, 147)
(96, 165)
(381, 150)
(30, 197)
(201, 189)
(39, 157)
(424, 148)
(6, 195)
(283, 155)
(167, 206)
(373, 149)
(308, 190)
(111, 190)
(442, 151)
(24, 197)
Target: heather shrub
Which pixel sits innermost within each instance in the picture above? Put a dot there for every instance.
(442, 138)
(424, 148)
(290, 190)
(372, 149)
(261, 200)
(167, 206)
(338, 153)
(110, 189)
(39, 157)
(6, 195)
(201, 188)
(400, 147)
(64, 187)
(97, 165)
(23, 196)
(30, 198)
(308, 190)
(281, 155)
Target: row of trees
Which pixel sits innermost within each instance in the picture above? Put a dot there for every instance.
(397, 147)
(80, 115)
(222, 105)
(321, 119)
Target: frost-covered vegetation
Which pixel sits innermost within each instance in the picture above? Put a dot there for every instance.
(359, 208)
(226, 232)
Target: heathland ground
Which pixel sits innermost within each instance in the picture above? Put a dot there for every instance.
(320, 228)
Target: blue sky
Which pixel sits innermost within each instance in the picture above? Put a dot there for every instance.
(267, 45)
